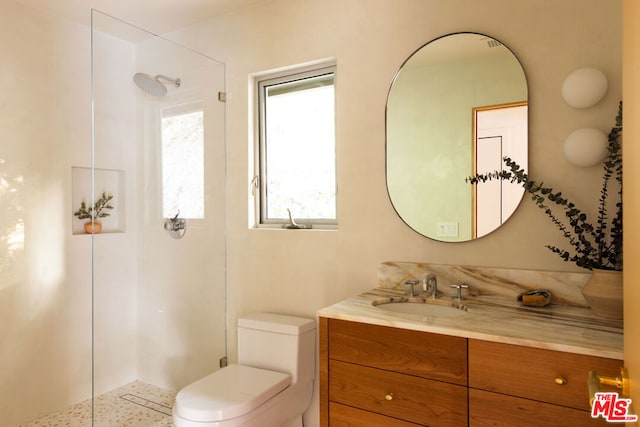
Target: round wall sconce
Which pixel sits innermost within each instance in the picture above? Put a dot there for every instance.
(584, 87)
(586, 147)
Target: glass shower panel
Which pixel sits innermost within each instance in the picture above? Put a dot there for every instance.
(159, 261)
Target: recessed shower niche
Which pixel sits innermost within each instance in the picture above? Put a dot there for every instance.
(106, 181)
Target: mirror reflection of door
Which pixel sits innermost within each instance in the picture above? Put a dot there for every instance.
(499, 131)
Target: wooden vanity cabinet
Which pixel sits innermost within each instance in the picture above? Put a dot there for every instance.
(524, 386)
(382, 376)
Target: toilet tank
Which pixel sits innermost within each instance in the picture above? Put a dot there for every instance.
(278, 343)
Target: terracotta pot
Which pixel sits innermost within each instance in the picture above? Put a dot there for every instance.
(603, 292)
(92, 227)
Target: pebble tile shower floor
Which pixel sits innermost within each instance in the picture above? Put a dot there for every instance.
(134, 405)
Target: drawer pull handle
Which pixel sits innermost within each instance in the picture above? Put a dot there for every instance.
(560, 380)
(388, 396)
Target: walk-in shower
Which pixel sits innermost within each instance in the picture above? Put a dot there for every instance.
(159, 302)
(101, 329)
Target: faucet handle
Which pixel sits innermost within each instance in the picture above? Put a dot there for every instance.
(411, 284)
(459, 288)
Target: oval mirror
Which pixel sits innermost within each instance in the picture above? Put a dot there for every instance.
(456, 107)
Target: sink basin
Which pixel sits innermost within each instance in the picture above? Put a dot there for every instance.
(424, 307)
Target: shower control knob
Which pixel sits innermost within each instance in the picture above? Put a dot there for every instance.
(175, 226)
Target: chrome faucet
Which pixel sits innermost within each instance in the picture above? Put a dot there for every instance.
(430, 285)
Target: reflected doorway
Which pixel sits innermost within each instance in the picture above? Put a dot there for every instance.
(499, 131)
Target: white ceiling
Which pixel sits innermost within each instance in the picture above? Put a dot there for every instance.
(156, 16)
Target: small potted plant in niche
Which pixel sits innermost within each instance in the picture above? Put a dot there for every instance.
(92, 213)
(595, 247)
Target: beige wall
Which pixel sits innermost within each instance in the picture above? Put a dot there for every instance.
(45, 290)
(299, 272)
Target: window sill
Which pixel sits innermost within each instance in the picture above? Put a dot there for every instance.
(314, 227)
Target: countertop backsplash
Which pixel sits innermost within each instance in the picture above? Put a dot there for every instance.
(566, 288)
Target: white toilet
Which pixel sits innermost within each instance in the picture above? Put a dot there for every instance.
(271, 385)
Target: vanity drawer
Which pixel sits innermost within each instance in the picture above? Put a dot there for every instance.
(346, 416)
(488, 409)
(531, 373)
(406, 397)
(434, 356)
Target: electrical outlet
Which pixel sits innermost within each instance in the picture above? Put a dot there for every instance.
(447, 229)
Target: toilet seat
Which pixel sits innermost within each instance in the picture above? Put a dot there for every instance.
(228, 393)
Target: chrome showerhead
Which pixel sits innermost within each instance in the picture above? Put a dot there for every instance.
(153, 85)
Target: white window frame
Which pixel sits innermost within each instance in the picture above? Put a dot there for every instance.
(258, 183)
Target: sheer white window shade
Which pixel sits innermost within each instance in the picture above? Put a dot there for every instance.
(182, 135)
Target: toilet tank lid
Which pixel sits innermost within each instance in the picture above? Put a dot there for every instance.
(278, 323)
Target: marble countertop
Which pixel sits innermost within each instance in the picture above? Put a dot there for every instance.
(554, 327)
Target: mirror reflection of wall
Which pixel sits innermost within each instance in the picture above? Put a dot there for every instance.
(430, 130)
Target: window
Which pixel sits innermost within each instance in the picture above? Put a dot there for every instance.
(183, 160)
(296, 153)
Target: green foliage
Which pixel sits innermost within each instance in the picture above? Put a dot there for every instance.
(98, 208)
(598, 246)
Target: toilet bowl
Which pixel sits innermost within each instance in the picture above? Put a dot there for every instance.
(271, 386)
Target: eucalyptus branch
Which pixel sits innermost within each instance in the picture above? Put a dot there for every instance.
(598, 246)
